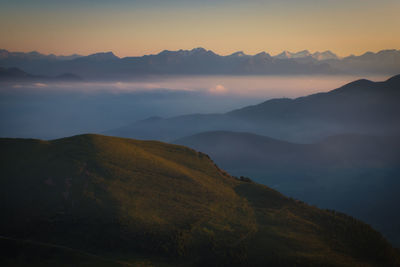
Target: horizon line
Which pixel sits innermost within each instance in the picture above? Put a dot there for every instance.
(200, 47)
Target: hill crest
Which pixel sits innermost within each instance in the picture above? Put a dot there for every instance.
(99, 193)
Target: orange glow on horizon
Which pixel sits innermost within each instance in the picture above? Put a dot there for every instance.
(353, 29)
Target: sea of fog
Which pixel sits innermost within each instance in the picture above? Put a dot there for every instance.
(53, 110)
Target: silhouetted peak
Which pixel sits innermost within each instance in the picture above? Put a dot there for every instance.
(165, 51)
(198, 50)
(285, 54)
(201, 51)
(395, 80)
(369, 53)
(13, 73)
(238, 54)
(356, 85)
(300, 54)
(387, 54)
(181, 52)
(388, 51)
(263, 55)
(34, 53)
(103, 56)
(324, 55)
(361, 82)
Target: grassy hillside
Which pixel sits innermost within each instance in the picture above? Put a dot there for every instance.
(150, 202)
(363, 170)
(16, 252)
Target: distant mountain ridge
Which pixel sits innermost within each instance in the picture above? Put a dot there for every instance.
(199, 61)
(18, 75)
(15, 74)
(358, 107)
(320, 105)
(4, 54)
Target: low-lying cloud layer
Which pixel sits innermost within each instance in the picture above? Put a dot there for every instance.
(51, 110)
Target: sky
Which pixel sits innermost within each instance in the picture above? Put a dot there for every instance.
(138, 27)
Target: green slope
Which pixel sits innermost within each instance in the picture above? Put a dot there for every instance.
(143, 201)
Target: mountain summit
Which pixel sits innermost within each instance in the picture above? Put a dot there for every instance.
(103, 56)
(324, 55)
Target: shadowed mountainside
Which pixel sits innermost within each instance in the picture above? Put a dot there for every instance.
(166, 204)
(359, 107)
(356, 174)
(15, 252)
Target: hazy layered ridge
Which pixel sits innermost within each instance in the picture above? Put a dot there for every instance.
(362, 106)
(46, 108)
(161, 203)
(356, 174)
(15, 75)
(57, 110)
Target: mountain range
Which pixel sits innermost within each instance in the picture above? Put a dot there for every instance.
(361, 106)
(4, 54)
(306, 54)
(200, 61)
(18, 75)
(93, 200)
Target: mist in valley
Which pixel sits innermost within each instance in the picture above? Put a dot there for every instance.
(51, 110)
